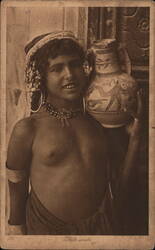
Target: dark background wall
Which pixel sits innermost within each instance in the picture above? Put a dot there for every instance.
(130, 26)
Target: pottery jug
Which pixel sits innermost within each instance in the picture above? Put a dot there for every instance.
(112, 92)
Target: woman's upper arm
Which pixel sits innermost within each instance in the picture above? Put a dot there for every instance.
(19, 153)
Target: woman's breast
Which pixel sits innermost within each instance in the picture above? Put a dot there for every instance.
(52, 148)
(67, 170)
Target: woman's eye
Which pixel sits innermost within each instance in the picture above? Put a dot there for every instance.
(56, 69)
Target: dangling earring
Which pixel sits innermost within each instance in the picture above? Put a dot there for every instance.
(87, 68)
(33, 82)
(32, 77)
(41, 101)
(84, 106)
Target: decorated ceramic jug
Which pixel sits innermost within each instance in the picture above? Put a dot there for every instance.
(112, 92)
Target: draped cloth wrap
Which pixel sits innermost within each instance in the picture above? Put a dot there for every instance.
(40, 221)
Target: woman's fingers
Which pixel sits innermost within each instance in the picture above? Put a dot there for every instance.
(134, 128)
(132, 112)
(139, 103)
(136, 114)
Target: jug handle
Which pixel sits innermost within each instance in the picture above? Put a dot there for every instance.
(124, 57)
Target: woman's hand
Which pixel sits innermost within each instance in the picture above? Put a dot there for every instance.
(135, 127)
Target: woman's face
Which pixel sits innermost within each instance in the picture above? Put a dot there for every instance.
(65, 78)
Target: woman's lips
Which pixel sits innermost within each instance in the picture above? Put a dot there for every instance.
(70, 85)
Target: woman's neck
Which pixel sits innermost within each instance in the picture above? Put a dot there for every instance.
(67, 104)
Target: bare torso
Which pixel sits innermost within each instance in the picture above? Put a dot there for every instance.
(69, 166)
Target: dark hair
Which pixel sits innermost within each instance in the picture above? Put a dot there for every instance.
(53, 49)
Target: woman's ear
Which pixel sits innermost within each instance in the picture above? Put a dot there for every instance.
(89, 64)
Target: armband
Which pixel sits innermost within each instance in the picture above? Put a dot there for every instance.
(16, 229)
(16, 176)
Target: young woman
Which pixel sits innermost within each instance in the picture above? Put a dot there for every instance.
(61, 149)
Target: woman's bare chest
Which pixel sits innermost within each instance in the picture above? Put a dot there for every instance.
(54, 144)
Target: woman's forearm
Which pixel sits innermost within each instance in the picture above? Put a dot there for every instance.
(131, 159)
(127, 185)
(18, 183)
(130, 162)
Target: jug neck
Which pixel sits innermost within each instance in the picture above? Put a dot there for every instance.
(107, 62)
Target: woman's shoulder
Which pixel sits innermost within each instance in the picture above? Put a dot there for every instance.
(20, 143)
(24, 127)
(29, 125)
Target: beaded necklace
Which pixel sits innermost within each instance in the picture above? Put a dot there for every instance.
(63, 115)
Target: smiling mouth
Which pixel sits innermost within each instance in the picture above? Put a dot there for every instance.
(70, 86)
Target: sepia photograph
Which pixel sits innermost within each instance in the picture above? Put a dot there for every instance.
(77, 124)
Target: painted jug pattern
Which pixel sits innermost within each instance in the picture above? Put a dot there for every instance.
(112, 93)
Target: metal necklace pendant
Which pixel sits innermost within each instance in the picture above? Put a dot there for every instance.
(63, 115)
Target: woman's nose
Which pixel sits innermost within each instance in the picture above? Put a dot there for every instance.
(67, 71)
